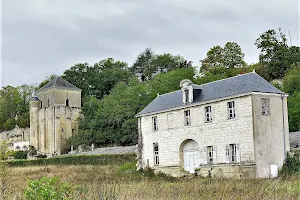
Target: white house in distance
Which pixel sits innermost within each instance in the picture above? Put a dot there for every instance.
(235, 127)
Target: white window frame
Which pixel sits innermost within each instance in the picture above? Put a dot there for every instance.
(156, 154)
(154, 123)
(265, 106)
(187, 95)
(210, 154)
(208, 114)
(187, 117)
(233, 153)
(231, 110)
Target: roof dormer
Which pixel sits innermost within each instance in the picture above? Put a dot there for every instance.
(189, 91)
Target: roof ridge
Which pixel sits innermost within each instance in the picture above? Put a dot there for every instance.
(229, 78)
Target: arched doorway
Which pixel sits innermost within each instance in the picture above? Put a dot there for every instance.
(190, 155)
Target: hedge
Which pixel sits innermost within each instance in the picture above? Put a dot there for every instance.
(104, 159)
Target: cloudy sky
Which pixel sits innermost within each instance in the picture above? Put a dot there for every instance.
(43, 37)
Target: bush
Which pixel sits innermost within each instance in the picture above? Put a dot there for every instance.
(20, 154)
(118, 159)
(291, 165)
(49, 189)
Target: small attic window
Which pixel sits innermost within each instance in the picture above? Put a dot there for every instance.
(67, 102)
(186, 93)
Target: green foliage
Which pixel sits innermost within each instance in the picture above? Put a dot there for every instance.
(118, 159)
(275, 54)
(20, 154)
(15, 109)
(112, 120)
(291, 81)
(99, 79)
(9, 124)
(231, 56)
(294, 112)
(127, 168)
(48, 189)
(291, 165)
(148, 64)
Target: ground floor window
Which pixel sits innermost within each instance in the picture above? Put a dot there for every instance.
(232, 153)
(210, 154)
(156, 155)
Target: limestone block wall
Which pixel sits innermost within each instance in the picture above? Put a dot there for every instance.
(56, 124)
(220, 132)
(268, 133)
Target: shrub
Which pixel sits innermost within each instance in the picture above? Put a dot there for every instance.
(116, 159)
(49, 189)
(291, 165)
(20, 154)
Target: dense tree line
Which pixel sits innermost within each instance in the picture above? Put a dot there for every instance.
(113, 92)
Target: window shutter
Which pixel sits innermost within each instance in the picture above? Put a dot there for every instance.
(215, 154)
(227, 153)
(205, 155)
(238, 153)
(202, 157)
(267, 107)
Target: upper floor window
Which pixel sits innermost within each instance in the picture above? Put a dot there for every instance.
(187, 118)
(154, 123)
(265, 106)
(208, 117)
(231, 109)
(155, 152)
(186, 93)
(232, 153)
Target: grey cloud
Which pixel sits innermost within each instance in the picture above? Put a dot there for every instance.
(41, 36)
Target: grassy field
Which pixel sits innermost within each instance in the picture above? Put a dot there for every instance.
(122, 182)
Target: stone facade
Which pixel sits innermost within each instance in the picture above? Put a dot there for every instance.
(54, 113)
(257, 139)
(16, 139)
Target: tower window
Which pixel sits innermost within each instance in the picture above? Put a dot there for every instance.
(48, 102)
(67, 102)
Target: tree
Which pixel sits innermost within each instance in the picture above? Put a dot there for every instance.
(142, 66)
(148, 64)
(99, 79)
(291, 81)
(113, 117)
(275, 53)
(294, 112)
(231, 56)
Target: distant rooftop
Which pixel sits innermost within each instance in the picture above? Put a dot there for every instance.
(59, 83)
(240, 84)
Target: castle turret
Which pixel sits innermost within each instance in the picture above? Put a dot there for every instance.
(35, 105)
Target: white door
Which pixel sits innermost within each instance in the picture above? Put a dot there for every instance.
(192, 164)
(191, 156)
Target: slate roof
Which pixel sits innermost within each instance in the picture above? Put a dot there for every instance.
(240, 84)
(58, 83)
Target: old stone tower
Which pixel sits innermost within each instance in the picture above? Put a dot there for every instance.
(54, 112)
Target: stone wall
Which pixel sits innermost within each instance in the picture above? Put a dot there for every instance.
(16, 137)
(219, 133)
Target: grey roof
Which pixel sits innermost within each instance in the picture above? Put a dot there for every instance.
(34, 99)
(59, 83)
(295, 139)
(244, 83)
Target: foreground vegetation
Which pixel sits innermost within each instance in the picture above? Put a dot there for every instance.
(123, 182)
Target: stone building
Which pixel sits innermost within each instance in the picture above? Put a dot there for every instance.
(235, 127)
(54, 112)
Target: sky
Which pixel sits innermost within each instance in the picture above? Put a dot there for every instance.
(43, 37)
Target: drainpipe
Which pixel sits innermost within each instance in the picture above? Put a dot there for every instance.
(283, 126)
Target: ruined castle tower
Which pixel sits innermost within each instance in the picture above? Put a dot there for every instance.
(54, 112)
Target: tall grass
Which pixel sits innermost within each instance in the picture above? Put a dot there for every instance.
(124, 182)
